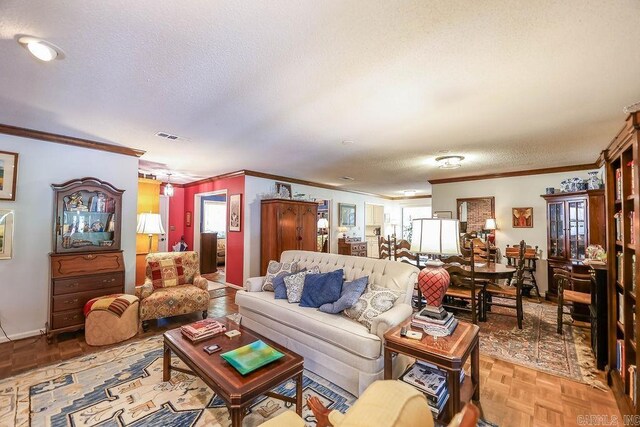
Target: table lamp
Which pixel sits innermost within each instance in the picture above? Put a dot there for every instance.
(435, 236)
(323, 224)
(489, 225)
(149, 223)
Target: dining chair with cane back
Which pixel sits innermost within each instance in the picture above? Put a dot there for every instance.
(530, 260)
(510, 291)
(567, 282)
(463, 286)
(384, 247)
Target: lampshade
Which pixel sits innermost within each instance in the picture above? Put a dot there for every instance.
(435, 236)
(490, 224)
(323, 223)
(149, 223)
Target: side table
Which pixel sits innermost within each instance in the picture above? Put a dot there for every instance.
(448, 353)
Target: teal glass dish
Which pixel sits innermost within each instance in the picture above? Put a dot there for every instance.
(251, 356)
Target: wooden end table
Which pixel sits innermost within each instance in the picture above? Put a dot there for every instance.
(448, 353)
(238, 391)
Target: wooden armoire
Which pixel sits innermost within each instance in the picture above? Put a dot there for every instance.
(286, 225)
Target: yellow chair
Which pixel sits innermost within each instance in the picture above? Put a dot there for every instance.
(383, 404)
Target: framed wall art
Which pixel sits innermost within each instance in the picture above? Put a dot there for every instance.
(284, 190)
(8, 175)
(187, 218)
(346, 215)
(235, 219)
(522, 217)
(6, 233)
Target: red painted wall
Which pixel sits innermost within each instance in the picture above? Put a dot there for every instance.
(183, 201)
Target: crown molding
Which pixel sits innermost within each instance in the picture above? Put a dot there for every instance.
(69, 140)
(569, 168)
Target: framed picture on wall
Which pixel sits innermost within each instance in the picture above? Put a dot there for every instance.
(8, 175)
(187, 218)
(522, 217)
(234, 212)
(6, 233)
(346, 215)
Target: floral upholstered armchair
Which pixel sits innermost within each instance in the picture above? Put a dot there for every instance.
(172, 286)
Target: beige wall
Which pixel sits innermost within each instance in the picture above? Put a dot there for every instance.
(523, 191)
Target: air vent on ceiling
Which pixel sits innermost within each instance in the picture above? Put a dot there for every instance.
(169, 136)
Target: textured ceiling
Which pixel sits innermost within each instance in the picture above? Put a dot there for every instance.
(276, 86)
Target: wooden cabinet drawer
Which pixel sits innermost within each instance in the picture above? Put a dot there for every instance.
(88, 283)
(80, 265)
(67, 318)
(79, 299)
(361, 253)
(360, 247)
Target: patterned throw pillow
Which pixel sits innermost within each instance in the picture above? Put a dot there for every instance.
(295, 284)
(275, 269)
(279, 288)
(167, 272)
(351, 292)
(375, 301)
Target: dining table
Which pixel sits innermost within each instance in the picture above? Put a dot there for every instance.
(491, 271)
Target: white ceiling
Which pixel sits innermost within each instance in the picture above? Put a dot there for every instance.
(276, 86)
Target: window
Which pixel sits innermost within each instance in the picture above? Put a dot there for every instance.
(214, 217)
(410, 213)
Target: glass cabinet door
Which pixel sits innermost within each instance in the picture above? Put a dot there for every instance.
(577, 231)
(556, 229)
(87, 216)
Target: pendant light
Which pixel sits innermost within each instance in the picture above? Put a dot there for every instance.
(168, 188)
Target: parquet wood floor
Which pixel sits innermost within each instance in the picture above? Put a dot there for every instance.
(510, 395)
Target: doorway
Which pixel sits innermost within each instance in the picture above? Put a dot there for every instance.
(210, 236)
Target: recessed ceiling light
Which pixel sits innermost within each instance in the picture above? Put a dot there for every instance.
(41, 49)
(449, 162)
(347, 178)
(409, 193)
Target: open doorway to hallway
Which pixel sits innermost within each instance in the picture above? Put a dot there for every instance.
(210, 236)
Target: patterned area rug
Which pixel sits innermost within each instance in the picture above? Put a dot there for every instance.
(123, 386)
(537, 345)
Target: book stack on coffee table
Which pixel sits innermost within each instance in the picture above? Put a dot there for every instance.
(435, 321)
(202, 330)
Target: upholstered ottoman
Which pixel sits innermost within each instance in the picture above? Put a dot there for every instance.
(110, 319)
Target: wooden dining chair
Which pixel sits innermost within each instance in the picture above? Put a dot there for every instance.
(510, 291)
(530, 261)
(402, 253)
(384, 247)
(463, 286)
(567, 282)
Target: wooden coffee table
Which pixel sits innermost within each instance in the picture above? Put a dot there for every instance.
(448, 353)
(238, 391)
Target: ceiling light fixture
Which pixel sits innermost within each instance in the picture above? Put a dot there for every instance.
(41, 49)
(168, 188)
(347, 178)
(449, 162)
(409, 193)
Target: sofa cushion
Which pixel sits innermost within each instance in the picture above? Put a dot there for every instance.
(279, 288)
(167, 272)
(275, 269)
(174, 300)
(295, 284)
(349, 295)
(334, 329)
(372, 303)
(321, 288)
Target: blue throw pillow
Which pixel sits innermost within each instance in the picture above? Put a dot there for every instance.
(279, 288)
(351, 291)
(321, 288)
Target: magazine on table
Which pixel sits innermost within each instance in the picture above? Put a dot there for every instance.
(430, 380)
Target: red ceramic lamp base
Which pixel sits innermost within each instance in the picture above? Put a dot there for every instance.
(433, 283)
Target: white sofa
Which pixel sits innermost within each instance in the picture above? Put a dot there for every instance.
(333, 346)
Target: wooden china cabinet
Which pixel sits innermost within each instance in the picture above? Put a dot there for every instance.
(574, 221)
(285, 225)
(86, 261)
